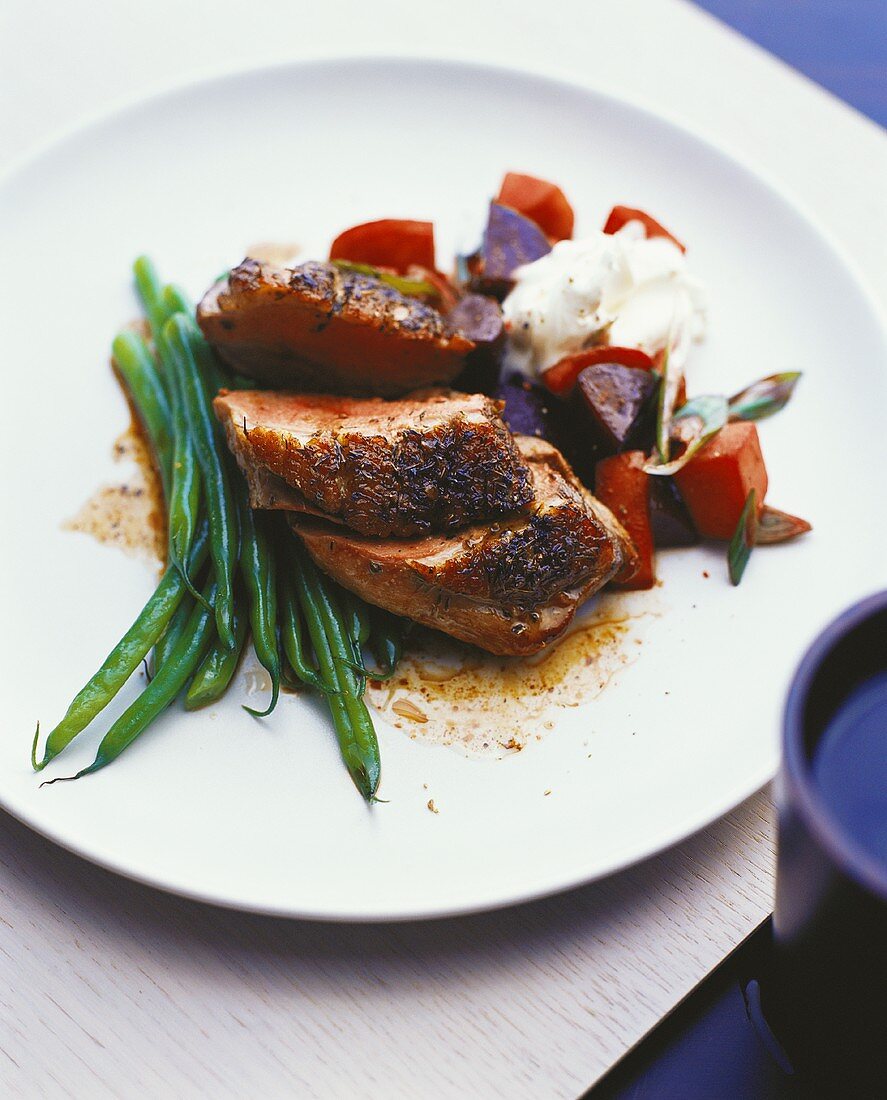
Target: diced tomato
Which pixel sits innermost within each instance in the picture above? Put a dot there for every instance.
(621, 215)
(561, 378)
(717, 480)
(391, 242)
(620, 482)
(539, 200)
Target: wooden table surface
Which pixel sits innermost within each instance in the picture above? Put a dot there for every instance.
(113, 989)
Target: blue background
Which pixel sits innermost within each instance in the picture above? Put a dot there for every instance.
(841, 44)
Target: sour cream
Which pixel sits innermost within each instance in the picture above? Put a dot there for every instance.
(620, 289)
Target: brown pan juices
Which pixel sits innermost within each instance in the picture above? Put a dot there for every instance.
(128, 514)
(448, 693)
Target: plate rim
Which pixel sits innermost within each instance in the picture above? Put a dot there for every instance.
(747, 785)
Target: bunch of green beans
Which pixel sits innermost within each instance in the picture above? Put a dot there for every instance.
(232, 573)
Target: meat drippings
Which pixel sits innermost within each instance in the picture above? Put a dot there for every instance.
(448, 693)
(128, 514)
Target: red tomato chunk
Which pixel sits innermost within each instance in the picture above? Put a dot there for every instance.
(716, 481)
(541, 201)
(391, 242)
(621, 484)
(561, 377)
(622, 215)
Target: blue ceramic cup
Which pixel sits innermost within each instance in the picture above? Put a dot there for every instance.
(826, 997)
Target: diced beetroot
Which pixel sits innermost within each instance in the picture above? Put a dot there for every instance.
(620, 401)
(669, 518)
(527, 406)
(717, 480)
(561, 377)
(531, 410)
(510, 240)
(622, 485)
(480, 319)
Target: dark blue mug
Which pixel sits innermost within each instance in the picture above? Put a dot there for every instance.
(825, 996)
(800, 1008)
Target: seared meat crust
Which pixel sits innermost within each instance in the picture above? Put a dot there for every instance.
(524, 564)
(434, 461)
(320, 328)
(510, 587)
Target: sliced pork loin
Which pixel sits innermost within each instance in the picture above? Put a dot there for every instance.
(314, 327)
(433, 461)
(509, 586)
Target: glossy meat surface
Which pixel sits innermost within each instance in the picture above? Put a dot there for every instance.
(432, 461)
(314, 327)
(509, 586)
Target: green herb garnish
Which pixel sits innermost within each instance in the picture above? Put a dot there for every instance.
(763, 398)
(744, 539)
(775, 526)
(694, 424)
(664, 409)
(412, 288)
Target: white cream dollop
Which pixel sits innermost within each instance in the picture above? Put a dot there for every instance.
(621, 289)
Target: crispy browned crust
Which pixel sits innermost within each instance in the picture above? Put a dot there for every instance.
(525, 564)
(351, 562)
(377, 474)
(323, 329)
(510, 587)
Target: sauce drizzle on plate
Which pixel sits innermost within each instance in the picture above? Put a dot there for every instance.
(449, 693)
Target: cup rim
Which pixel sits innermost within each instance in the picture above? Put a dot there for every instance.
(851, 858)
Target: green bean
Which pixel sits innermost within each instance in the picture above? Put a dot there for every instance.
(332, 647)
(185, 490)
(124, 658)
(148, 394)
(217, 668)
(175, 300)
(386, 642)
(358, 617)
(149, 290)
(167, 642)
(335, 696)
(179, 335)
(163, 689)
(292, 630)
(117, 668)
(336, 625)
(183, 484)
(257, 568)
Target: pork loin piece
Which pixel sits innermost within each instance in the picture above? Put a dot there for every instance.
(433, 461)
(510, 586)
(315, 327)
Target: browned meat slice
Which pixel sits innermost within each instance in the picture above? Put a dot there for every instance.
(433, 461)
(510, 586)
(318, 328)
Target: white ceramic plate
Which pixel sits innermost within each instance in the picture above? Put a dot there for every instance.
(264, 817)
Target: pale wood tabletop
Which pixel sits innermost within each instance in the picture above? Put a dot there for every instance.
(114, 989)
